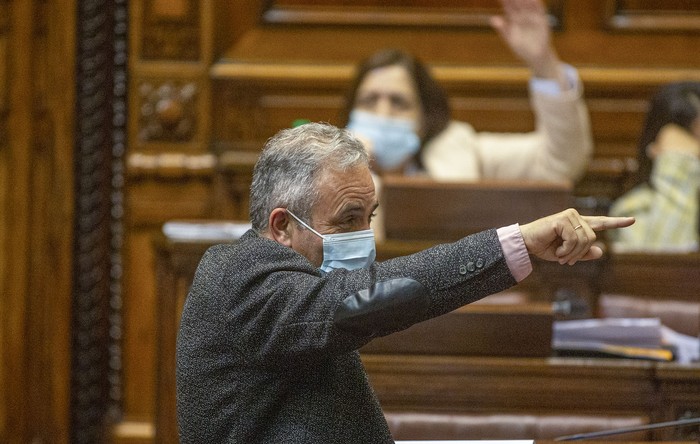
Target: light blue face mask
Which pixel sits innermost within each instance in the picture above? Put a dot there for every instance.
(393, 140)
(351, 251)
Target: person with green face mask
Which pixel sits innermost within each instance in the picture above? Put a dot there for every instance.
(665, 198)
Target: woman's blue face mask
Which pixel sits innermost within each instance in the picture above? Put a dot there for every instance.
(351, 251)
(393, 140)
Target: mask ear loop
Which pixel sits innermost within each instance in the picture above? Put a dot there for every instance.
(304, 223)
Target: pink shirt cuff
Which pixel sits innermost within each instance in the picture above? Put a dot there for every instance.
(515, 251)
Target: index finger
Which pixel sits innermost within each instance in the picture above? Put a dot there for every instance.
(600, 223)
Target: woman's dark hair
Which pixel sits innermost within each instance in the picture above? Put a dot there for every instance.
(678, 103)
(434, 105)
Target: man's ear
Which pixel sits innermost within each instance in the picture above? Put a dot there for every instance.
(280, 227)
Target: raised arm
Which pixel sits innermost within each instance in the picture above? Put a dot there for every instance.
(525, 29)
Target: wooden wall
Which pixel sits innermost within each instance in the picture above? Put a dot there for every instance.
(209, 80)
(62, 138)
(36, 218)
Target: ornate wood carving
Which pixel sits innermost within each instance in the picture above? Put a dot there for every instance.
(100, 144)
(440, 13)
(171, 30)
(653, 15)
(118, 151)
(167, 110)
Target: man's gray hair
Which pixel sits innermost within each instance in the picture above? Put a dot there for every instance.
(286, 174)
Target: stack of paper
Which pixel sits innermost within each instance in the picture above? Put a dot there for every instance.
(640, 338)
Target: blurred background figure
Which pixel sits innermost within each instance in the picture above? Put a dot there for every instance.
(403, 116)
(665, 197)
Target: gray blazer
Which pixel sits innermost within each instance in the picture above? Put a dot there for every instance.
(267, 346)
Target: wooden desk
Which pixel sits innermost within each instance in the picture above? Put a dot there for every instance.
(662, 276)
(420, 208)
(460, 383)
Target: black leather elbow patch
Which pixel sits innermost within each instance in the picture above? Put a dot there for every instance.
(385, 307)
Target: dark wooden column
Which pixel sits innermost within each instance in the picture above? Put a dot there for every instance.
(99, 152)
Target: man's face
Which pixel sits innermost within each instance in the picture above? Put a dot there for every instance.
(389, 92)
(346, 203)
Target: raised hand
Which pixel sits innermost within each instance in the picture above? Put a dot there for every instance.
(525, 29)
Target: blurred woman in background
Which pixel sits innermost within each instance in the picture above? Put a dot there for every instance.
(665, 198)
(402, 114)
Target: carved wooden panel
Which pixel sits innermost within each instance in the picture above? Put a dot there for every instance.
(167, 110)
(170, 30)
(169, 99)
(654, 15)
(441, 13)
